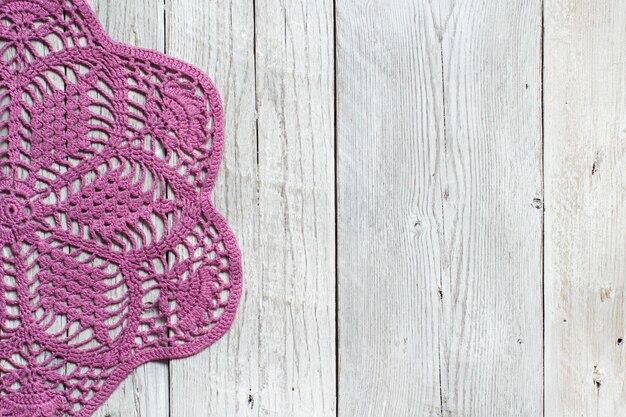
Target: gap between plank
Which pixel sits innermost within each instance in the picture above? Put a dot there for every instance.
(543, 212)
(443, 223)
(336, 148)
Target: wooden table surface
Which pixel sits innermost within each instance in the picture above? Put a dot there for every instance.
(430, 200)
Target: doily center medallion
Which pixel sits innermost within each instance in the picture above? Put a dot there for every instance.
(111, 251)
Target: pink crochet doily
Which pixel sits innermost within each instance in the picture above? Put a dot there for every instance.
(112, 253)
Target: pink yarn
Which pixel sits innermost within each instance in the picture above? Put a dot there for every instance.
(111, 251)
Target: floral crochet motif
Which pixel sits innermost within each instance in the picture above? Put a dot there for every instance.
(111, 251)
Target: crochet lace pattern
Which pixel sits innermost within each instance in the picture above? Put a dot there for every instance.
(112, 253)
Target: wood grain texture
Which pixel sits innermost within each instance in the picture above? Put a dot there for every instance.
(295, 104)
(389, 145)
(218, 37)
(585, 157)
(439, 198)
(277, 190)
(145, 391)
(491, 356)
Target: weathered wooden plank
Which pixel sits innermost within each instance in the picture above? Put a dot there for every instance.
(492, 209)
(277, 189)
(389, 148)
(585, 158)
(439, 173)
(295, 103)
(218, 37)
(146, 391)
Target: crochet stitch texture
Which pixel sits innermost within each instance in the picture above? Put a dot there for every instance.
(111, 251)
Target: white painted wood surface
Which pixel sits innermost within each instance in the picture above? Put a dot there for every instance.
(491, 348)
(389, 145)
(439, 244)
(438, 196)
(585, 154)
